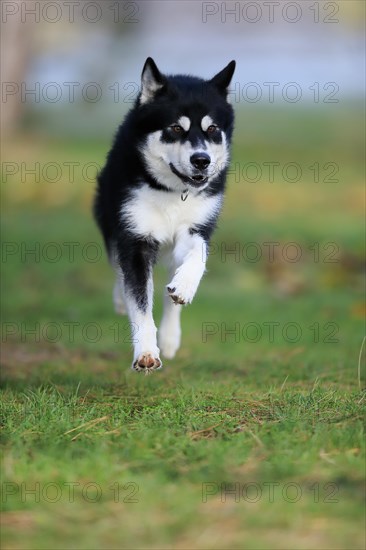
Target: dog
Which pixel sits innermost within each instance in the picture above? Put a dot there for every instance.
(162, 186)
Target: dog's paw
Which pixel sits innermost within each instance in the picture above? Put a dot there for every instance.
(177, 298)
(182, 292)
(147, 363)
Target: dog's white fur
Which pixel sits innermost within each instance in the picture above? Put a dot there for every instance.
(167, 219)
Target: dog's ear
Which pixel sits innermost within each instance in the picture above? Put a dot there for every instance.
(222, 79)
(151, 81)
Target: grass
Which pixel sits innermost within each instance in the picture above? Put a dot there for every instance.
(248, 439)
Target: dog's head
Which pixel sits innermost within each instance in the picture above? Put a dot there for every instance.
(187, 124)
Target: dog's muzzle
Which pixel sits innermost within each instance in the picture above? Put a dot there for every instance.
(200, 161)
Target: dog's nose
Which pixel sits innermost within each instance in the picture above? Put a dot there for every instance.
(200, 160)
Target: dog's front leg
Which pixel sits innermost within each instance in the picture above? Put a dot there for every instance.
(169, 331)
(190, 253)
(137, 260)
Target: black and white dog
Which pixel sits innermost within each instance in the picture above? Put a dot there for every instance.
(163, 184)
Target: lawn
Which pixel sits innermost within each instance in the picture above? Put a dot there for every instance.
(252, 438)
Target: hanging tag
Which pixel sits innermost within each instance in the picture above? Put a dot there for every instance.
(184, 195)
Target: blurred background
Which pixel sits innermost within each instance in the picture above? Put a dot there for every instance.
(70, 71)
(57, 50)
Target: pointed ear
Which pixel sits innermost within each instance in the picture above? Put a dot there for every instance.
(223, 78)
(151, 81)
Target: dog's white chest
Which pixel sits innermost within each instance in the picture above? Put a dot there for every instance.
(162, 215)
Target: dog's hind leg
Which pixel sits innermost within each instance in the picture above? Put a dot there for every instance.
(118, 301)
(118, 289)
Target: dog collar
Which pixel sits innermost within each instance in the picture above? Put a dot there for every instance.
(184, 195)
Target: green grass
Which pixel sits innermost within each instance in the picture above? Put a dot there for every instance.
(96, 456)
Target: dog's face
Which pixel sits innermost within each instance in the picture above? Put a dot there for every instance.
(188, 124)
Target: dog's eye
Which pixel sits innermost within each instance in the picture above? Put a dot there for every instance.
(177, 129)
(211, 129)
